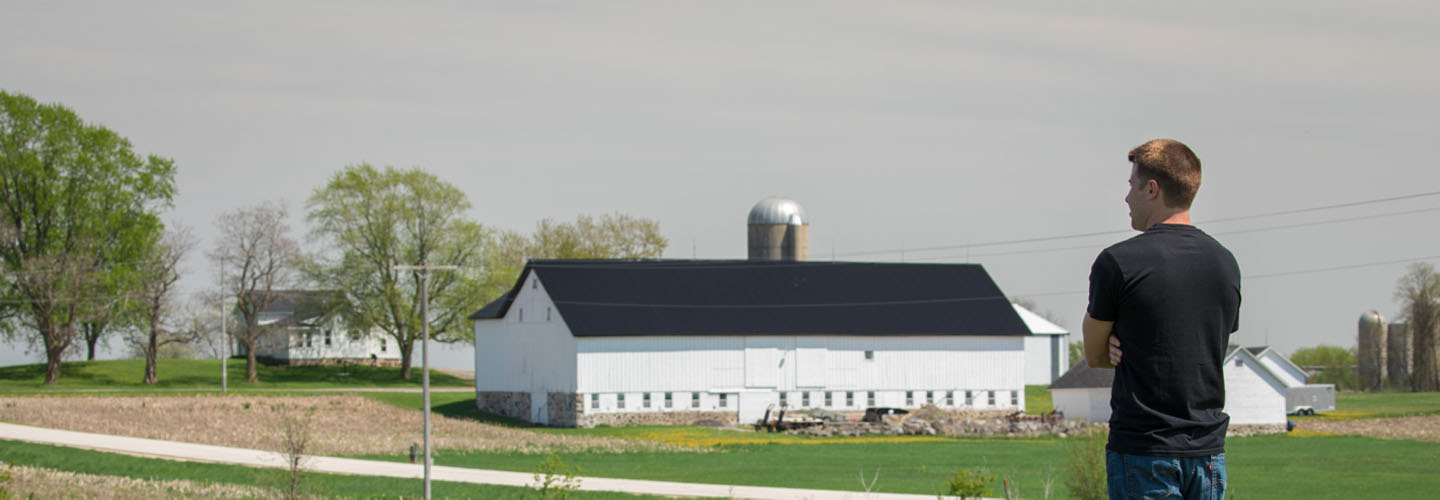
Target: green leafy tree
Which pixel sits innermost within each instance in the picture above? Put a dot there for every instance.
(1336, 364)
(78, 209)
(374, 219)
(1418, 292)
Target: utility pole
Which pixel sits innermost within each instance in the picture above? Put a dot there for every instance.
(425, 351)
(224, 339)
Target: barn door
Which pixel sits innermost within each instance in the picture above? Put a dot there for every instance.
(762, 362)
(540, 408)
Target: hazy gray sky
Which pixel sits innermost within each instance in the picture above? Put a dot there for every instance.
(895, 124)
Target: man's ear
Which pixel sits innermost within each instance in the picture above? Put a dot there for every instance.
(1152, 189)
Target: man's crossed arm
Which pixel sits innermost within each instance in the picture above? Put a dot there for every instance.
(1102, 350)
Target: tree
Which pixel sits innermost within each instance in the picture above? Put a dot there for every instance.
(1337, 365)
(612, 236)
(259, 260)
(77, 206)
(375, 219)
(154, 301)
(1418, 292)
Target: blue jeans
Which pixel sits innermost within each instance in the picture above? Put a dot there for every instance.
(1152, 478)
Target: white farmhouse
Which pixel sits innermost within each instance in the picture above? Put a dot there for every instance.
(305, 327)
(1255, 388)
(587, 342)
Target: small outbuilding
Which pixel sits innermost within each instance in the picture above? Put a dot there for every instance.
(1255, 393)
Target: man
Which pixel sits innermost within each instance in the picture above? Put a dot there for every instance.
(1170, 297)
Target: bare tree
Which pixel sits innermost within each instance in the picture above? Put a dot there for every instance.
(153, 299)
(259, 260)
(1418, 292)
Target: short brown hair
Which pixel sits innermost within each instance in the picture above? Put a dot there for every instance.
(1173, 166)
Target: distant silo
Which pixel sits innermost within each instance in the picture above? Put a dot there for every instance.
(779, 230)
(1372, 350)
(1398, 354)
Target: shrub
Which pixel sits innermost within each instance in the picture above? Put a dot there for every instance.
(556, 480)
(969, 484)
(1085, 465)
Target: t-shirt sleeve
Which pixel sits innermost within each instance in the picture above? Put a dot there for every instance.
(1104, 288)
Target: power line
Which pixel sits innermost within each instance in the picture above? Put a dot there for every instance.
(1114, 232)
(1271, 275)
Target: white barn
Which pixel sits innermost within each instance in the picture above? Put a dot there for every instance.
(1254, 393)
(305, 327)
(582, 343)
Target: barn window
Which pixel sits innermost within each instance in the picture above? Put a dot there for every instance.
(909, 398)
(694, 400)
(620, 400)
(1014, 398)
(992, 398)
(723, 402)
(929, 397)
(784, 399)
(805, 399)
(870, 398)
(828, 400)
(667, 401)
(969, 398)
(949, 398)
(849, 399)
(594, 401)
(646, 398)
(869, 355)
(534, 283)
(547, 314)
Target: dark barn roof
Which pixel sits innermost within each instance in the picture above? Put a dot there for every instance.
(1082, 376)
(689, 297)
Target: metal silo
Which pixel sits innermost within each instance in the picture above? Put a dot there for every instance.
(779, 230)
(1372, 350)
(1398, 354)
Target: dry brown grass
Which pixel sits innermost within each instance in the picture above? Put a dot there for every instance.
(1416, 428)
(33, 482)
(343, 425)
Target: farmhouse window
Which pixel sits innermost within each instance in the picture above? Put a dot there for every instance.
(327, 336)
(382, 344)
(354, 335)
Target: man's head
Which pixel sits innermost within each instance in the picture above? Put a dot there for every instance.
(1164, 177)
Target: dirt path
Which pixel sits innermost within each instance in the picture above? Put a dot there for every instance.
(1414, 428)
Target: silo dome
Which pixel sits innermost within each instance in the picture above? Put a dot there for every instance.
(777, 210)
(779, 230)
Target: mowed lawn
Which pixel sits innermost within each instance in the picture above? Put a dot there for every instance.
(204, 375)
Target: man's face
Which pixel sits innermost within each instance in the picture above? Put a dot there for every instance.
(1137, 198)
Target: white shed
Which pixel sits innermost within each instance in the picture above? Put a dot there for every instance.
(582, 343)
(1254, 395)
(1046, 351)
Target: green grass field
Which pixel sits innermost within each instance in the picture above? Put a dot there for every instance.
(204, 375)
(1362, 405)
(324, 485)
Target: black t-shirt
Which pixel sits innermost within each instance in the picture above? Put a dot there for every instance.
(1174, 295)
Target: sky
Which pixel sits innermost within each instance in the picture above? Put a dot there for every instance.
(909, 131)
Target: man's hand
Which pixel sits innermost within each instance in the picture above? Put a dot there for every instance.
(1114, 350)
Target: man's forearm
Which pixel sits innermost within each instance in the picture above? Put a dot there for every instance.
(1096, 336)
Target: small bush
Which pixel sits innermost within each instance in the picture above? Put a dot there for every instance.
(556, 480)
(969, 484)
(1085, 465)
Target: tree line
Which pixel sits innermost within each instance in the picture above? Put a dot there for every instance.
(86, 254)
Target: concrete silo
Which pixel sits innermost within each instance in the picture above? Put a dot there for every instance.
(1372, 350)
(779, 230)
(1398, 354)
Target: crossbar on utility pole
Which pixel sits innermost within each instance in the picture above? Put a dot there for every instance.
(425, 351)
